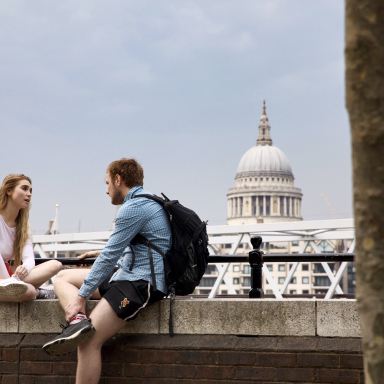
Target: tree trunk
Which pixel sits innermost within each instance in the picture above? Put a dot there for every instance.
(364, 55)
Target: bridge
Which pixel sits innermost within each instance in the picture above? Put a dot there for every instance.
(297, 239)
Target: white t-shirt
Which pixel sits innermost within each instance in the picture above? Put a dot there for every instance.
(7, 238)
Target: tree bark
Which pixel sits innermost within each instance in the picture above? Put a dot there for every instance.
(364, 54)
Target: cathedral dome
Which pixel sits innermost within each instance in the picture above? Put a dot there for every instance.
(264, 189)
(264, 160)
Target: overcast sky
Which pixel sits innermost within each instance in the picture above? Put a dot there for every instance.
(178, 85)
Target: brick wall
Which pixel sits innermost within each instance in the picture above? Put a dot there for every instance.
(191, 359)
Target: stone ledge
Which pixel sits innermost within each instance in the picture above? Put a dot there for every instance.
(240, 317)
(337, 318)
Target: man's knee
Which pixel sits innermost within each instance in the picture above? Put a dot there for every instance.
(92, 344)
(64, 275)
(72, 276)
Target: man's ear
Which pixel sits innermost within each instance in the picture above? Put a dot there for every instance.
(117, 180)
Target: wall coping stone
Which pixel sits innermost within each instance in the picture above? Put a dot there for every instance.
(238, 317)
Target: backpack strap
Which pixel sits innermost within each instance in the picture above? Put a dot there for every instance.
(140, 239)
(152, 268)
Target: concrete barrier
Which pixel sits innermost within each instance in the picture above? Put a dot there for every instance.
(242, 317)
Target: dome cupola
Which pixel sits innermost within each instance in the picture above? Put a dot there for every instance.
(264, 159)
(264, 183)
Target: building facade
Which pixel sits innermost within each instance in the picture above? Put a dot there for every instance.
(264, 192)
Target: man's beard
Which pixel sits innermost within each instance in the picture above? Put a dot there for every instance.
(117, 198)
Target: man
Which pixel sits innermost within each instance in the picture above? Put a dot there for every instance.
(135, 284)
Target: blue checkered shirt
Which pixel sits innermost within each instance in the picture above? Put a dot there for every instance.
(136, 215)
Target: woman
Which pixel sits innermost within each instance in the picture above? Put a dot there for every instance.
(20, 279)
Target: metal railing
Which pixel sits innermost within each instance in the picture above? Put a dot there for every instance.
(256, 259)
(311, 241)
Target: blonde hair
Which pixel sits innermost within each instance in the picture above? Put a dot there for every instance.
(22, 229)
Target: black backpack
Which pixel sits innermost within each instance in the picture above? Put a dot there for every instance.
(186, 261)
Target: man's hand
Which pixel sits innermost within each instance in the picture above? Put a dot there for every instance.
(73, 308)
(88, 254)
(21, 272)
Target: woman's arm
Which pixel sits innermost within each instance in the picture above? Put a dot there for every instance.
(3, 269)
(28, 261)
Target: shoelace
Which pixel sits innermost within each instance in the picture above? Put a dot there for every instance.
(62, 326)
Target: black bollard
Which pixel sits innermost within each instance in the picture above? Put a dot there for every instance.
(256, 262)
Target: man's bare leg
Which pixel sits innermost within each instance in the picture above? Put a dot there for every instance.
(106, 324)
(67, 284)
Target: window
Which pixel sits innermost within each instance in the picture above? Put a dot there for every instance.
(305, 280)
(270, 267)
(281, 268)
(281, 280)
(207, 282)
(305, 292)
(246, 269)
(246, 281)
(210, 269)
(236, 280)
(305, 267)
(236, 268)
(269, 292)
(292, 291)
(293, 280)
(318, 268)
(322, 281)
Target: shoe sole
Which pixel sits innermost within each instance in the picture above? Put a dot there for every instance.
(13, 289)
(68, 344)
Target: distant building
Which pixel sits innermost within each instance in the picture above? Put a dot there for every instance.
(264, 192)
(264, 189)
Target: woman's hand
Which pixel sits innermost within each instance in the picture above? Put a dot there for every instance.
(21, 272)
(88, 254)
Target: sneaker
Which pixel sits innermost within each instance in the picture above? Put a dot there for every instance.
(12, 287)
(47, 293)
(71, 336)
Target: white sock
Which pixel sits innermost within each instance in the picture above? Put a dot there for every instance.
(77, 318)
